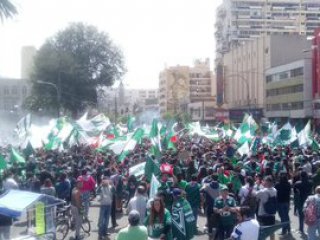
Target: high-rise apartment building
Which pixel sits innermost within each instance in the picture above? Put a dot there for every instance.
(242, 20)
(182, 86)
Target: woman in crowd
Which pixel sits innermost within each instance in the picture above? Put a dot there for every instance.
(158, 221)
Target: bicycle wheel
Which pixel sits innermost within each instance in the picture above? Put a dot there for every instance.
(62, 229)
(86, 226)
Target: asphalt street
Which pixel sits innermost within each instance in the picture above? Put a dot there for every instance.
(19, 228)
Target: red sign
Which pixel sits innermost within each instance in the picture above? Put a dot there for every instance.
(316, 64)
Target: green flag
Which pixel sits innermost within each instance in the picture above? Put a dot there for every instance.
(152, 167)
(130, 123)
(304, 136)
(155, 138)
(16, 157)
(315, 145)
(244, 149)
(28, 151)
(3, 163)
(246, 131)
(131, 143)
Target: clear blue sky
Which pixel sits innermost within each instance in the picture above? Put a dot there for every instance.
(151, 33)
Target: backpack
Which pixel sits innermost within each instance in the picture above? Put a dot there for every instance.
(310, 213)
(270, 206)
(250, 201)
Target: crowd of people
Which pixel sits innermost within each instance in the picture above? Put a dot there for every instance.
(237, 194)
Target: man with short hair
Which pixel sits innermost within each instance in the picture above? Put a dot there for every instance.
(225, 207)
(248, 227)
(139, 203)
(267, 197)
(133, 231)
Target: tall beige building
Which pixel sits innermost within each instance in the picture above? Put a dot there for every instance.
(182, 86)
(242, 20)
(245, 66)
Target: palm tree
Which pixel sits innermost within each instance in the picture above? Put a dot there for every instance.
(7, 9)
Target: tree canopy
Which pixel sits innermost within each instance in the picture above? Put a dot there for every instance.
(7, 9)
(71, 66)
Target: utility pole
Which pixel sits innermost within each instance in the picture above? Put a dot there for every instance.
(115, 108)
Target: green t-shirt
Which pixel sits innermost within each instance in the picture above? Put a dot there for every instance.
(223, 179)
(158, 228)
(168, 196)
(182, 184)
(227, 218)
(133, 233)
(193, 194)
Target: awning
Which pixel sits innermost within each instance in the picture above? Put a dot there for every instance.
(14, 202)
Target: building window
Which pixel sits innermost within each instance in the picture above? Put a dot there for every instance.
(6, 90)
(297, 72)
(269, 78)
(14, 90)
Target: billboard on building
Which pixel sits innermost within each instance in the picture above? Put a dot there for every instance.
(220, 84)
(316, 64)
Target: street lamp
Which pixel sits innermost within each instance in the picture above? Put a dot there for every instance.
(57, 90)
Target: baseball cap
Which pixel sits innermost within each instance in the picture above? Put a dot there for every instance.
(176, 192)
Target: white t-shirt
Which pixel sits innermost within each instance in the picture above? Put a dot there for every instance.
(244, 191)
(247, 230)
(10, 183)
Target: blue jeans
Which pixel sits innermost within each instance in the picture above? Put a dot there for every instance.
(312, 231)
(104, 216)
(283, 211)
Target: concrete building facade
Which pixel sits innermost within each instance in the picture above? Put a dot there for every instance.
(242, 20)
(245, 67)
(184, 88)
(12, 94)
(289, 90)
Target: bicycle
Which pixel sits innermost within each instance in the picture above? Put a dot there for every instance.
(65, 223)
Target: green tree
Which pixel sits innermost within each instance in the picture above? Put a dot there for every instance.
(76, 62)
(7, 9)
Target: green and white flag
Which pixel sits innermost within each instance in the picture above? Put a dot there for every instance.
(23, 126)
(304, 136)
(286, 135)
(154, 186)
(131, 143)
(137, 170)
(152, 167)
(155, 138)
(315, 145)
(93, 126)
(244, 149)
(130, 123)
(246, 131)
(15, 157)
